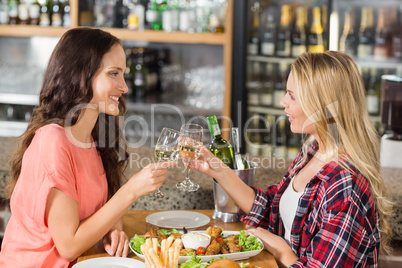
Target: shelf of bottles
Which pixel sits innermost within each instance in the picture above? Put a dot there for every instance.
(370, 31)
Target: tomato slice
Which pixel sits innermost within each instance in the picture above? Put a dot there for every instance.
(219, 239)
(250, 265)
(201, 250)
(163, 237)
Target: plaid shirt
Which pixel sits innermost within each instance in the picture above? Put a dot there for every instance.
(335, 222)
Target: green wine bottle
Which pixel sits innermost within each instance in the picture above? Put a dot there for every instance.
(220, 147)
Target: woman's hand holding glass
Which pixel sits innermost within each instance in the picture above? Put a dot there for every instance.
(166, 149)
(190, 143)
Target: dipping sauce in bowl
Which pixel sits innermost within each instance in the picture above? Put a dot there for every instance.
(195, 240)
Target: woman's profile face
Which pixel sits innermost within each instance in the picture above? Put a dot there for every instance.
(299, 122)
(109, 84)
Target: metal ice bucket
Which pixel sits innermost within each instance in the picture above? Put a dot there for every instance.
(225, 208)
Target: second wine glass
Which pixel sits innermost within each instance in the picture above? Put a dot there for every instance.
(167, 149)
(190, 143)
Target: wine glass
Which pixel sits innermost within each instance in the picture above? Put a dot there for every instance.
(167, 149)
(190, 143)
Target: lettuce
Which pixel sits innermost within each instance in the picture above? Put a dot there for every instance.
(249, 242)
(193, 262)
(136, 243)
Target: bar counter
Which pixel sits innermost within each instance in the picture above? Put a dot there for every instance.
(134, 223)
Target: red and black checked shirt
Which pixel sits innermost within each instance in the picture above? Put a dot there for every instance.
(335, 222)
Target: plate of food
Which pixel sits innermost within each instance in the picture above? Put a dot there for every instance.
(177, 219)
(234, 245)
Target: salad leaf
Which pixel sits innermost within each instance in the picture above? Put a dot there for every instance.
(136, 243)
(167, 233)
(221, 257)
(249, 242)
(193, 262)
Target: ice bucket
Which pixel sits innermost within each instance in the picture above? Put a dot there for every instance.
(225, 208)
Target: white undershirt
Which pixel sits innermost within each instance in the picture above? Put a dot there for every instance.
(287, 208)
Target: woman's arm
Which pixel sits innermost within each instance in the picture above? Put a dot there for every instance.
(73, 237)
(240, 192)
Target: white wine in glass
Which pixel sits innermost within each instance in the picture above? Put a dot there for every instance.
(167, 149)
(190, 143)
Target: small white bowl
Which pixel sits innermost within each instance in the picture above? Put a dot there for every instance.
(191, 242)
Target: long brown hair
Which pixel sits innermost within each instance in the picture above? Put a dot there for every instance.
(331, 92)
(67, 84)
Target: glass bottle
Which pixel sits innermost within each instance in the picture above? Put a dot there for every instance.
(129, 72)
(283, 44)
(170, 16)
(280, 138)
(269, 36)
(12, 12)
(153, 15)
(365, 45)
(65, 5)
(299, 34)
(202, 13)
(254, 42)
(383, 38)
(140, 73)
(266, 96)
(253, 135)
(23, 13)
(267, 148)
(325, 32)
(315, 40)
(347, 42)
(280, 84)
(373, 93)
(34, 12)
(3, 12)
(220, 147)
(56, 17)
(186, 16)
(397, 39)
(44, 19)
(254, 83)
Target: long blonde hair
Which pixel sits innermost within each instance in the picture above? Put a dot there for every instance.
(332, 95)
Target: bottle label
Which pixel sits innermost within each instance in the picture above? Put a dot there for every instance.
(298, 50)
(317, 48)
(283, 49)
(266, 99)
(34, 11)
(278, 95)
(252, 49)
(253, 98)
(373, 104)
(56, 20)
(213, 126)
(44, 19)
(364, 51)
(268, 49)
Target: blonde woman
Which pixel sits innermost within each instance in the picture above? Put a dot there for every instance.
(330, 209)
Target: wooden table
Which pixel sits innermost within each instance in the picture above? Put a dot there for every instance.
(134, 223)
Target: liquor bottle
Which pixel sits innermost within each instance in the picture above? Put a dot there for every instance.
(299, 34)
(254, 83)
(280, 84)
(220, 147)
(66, 9)
(315, 40)
(325, 32)
(347, 42)
(283, 44)
(170, 16)
(397, 39)
(267, 148)
(365, 45)
(267, 91)
(56, 14)
(383, 38)
(12, 12)
(269, 35)
(373, 93)
(34, 12)
(3, 12)
(153, 15)
(129, 72)
(254, 137)
(186, 16)
(254, 42)
(202, 13)
(23, 13)
(44, 19)
(217, 17)
(280, 138)
(140, 73)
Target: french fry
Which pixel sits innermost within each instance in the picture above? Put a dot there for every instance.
(155, 244)
(163, 253)
(148, 261)
(148, 243)
(155, 258)
(176, 255)
(170, 241)
(177, 243)
(171, 258)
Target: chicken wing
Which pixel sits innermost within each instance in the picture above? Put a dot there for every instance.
(213, 248)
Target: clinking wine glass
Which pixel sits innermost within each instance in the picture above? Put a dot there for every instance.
(190, 143)
(167, 149)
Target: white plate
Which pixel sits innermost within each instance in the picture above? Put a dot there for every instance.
(233, 256)
(110, 262)
(178, 219)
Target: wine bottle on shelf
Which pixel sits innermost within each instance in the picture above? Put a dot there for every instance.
(269, 35)
(12, 12)
(266, 96)
(23, 13)
(373, 93)
(254, 42)
(280, 84)
(254, 83)
(365, 45)
(267, 148)
(44, 19)
(315, 39)
(283, 43)
(220, 147)
(153, 15)
(397, 39)
(34, 12)
(140, 73)
(347, 42)
(3, 12)
(325, 32)
(66, 11)
(57, 16)
(383, 38)
(280, 138)
(299, 34)
(254, 139)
